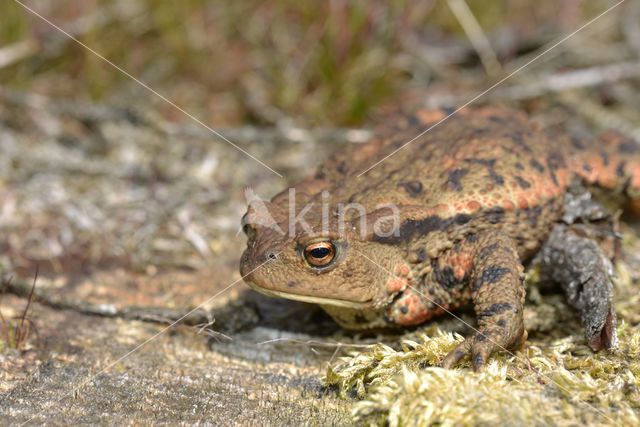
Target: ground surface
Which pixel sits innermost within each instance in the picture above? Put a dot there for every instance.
(140, 236)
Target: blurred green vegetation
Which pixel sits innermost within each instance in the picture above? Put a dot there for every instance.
(252, 61)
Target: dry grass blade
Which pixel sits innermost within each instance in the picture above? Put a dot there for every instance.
(17, 330)
(206, 329)
(476, 35)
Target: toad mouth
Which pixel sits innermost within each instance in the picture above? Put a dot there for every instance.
(310, 299)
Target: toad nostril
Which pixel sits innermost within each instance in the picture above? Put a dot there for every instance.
(249, 230)
(271, 255)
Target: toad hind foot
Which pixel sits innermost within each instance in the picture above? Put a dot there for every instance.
(498, 298)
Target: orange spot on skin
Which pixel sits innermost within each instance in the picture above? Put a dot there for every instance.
(396, 284)
(459, 272)
(370, 148)
(448, 162)
(461, 262)
(608, 178)
(522, 202)
(401, 270)
(416, 311)
(473, 206)
(508, 205)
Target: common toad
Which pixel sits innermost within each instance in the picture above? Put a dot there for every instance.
(449, 219)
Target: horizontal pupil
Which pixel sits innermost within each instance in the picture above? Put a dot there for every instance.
(320, 252)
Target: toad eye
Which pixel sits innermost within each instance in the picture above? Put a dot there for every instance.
(320, 254)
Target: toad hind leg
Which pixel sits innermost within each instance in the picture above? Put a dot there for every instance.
(579, 265)
(498, 298)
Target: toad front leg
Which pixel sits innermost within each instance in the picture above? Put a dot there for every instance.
(498, 296)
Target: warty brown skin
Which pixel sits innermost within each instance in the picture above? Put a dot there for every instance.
(477, 196)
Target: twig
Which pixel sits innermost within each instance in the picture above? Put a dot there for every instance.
(564, 81)
(556, 82)
(206, 329)
(147, 314)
